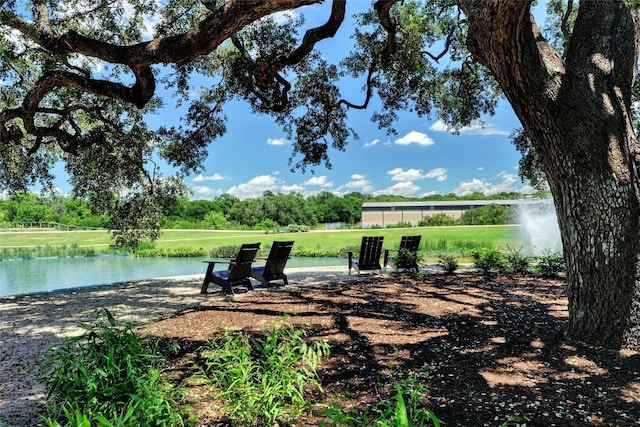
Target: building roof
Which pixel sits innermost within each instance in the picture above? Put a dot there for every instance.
(449, 203)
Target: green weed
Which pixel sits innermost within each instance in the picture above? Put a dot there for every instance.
(109, 376)
(448, 262)
(404, 406)
(551, 264)
(515, 261)
(262, 381)
(488, 260)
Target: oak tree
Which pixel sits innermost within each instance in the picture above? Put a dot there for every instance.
(79, 76)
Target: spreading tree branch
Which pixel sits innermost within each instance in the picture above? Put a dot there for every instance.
(200, 40)
(365, 104)
(389, 23)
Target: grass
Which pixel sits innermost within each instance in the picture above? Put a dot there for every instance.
(434, 239)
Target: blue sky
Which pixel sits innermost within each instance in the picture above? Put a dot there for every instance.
(423, 159)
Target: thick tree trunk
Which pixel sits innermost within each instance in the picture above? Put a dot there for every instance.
(577, 112)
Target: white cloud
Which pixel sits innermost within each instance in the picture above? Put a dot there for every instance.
(320, 181)
(360, 183)
(405, 188)
(255, 187)
(415, 137)
(277, 141)
(508, 182)
(214, 177)
(286, 189)
(399, 174)
(203, 192)
(440, 174)
(372, 143)
(476, 128)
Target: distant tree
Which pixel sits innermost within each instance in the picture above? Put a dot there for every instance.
(353, 208)
(29, 208)
(217, 221)
(325, 206)
(224, 202)
(285, 209)
(248, 212)
(328, 207)
(196, 210)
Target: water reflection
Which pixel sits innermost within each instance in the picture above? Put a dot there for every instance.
(48, 274)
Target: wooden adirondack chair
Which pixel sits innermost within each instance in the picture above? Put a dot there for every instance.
(273, 269)
(238, 273)
(408, 243)
(369, 257)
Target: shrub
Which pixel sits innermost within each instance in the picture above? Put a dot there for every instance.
(400, 224)
(448, 262)
(171, 253)
(296, 228)
(407, 258)
(487, 259)
(225, 251)
(550, 264)
(344, 253)
(317, 252)
(267, 224)
(109, 376)
(489, 214)
(262, 381)
(516, 262)
(439, 219)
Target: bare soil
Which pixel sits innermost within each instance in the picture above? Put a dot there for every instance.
(496, 346)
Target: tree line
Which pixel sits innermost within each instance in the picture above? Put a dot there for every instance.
(266, 212)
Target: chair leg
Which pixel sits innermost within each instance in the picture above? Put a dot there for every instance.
(207, 279)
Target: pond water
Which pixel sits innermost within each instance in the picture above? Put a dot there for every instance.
(49, 274)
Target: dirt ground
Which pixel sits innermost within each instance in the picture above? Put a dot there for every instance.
(496, 346)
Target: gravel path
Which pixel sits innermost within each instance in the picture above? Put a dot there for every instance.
(30, 324)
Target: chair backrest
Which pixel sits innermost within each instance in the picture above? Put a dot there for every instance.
(410, 243)
(240, 268)
(370, 251)
(278, 257)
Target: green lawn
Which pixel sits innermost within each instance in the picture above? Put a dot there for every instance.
(434, 239)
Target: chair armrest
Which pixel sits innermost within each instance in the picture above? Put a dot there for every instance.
(218, 261)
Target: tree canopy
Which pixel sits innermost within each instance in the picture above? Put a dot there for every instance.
(79, 76)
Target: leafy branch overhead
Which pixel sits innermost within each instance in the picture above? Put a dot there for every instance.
(72, 67)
